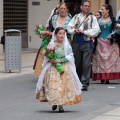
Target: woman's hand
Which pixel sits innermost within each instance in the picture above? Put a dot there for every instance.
(118, 25)
(55, 61)
(93, 39)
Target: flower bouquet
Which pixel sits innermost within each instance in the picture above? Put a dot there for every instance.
(39, 29)
(50, 53)
(45, 35)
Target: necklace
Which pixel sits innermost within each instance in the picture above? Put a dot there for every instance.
(105, 21)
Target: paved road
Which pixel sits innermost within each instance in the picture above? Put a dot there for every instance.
(17, 101)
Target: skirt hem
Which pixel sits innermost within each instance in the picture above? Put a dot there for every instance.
(78, 100)
(105, 76)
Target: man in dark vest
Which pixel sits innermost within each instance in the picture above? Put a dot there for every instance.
(84, 26)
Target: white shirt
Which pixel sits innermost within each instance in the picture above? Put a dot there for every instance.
(93, 32)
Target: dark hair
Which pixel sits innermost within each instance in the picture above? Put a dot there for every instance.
(83, 1)
(58, 29)
(109, 7)
(56, 8)
(99, 12)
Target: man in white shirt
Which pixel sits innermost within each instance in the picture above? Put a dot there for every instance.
(85, 26)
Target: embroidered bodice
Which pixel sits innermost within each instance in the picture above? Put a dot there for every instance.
(59, 50)
(105, 28)
(55, 24)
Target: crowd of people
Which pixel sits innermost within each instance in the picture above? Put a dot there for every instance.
(85, 47)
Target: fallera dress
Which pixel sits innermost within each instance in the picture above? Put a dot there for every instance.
(58, 89)
(106, 61)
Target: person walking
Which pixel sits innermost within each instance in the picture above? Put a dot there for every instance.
(85, 26)
(55, 88)
(60, 20)
(57, 20)
(106, 61)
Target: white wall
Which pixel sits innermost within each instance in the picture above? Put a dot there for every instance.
(1, 18)
(38, 15)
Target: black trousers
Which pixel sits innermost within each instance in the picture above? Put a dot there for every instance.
(83, 54)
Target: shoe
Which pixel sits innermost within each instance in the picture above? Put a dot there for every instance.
(54, 107)
(84, 88)
(107, 82)
(61, 110)
(102, 81)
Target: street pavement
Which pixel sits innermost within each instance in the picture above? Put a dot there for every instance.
(17, 101)
(17, 97)
(27, 60)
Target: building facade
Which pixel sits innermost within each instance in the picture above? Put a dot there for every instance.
(26, 14)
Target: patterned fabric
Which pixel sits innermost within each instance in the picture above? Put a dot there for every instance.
(105, 28)
(106, 58)
(55, 24)
(58, 89)
(106, 61)
(38, 67)
(59, 49)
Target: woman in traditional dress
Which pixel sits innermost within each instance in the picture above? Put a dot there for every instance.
(55, 88)
(106, 61)
(58, 20)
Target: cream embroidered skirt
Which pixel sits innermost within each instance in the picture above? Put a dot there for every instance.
(58, 89)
